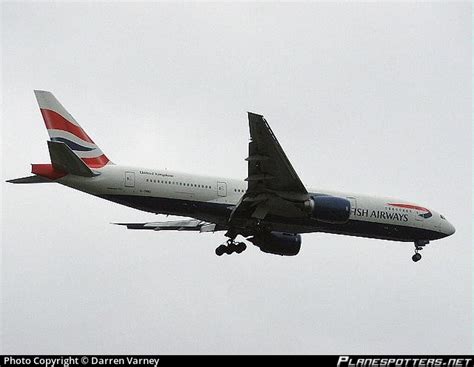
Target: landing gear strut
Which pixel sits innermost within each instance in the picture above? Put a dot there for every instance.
(231, 246)
(419, 244)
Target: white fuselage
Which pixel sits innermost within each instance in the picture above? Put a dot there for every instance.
(212, 199)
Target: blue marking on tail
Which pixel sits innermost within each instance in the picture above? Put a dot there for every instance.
(73, 145)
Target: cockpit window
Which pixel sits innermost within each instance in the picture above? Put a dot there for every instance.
(442, 217)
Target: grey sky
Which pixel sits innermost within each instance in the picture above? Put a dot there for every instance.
(368, 98)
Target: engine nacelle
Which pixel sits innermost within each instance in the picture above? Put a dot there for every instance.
(278, 243)
(329, 209)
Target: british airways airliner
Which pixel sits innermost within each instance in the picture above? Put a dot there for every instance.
(270, 208)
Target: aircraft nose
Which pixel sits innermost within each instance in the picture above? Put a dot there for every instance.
(448, 229)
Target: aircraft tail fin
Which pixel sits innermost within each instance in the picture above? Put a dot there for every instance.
(63, 128)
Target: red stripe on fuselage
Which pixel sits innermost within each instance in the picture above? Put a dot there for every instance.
(409, 206)
(54, 120)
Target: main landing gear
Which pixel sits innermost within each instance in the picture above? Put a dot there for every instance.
(418, 247)
(230, 248)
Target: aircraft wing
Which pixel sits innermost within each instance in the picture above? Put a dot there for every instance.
(177, 225)
(268, 166)
(273, 185)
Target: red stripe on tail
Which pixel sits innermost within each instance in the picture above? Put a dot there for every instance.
(54, 120)
(97, 162)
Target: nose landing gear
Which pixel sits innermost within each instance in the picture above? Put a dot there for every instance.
(419, 244)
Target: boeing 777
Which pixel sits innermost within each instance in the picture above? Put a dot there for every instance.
(270, 208)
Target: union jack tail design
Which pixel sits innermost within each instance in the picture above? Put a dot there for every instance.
(62, 127)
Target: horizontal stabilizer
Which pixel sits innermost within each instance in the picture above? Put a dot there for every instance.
(64, 159)
(29, 180)
(178, 225)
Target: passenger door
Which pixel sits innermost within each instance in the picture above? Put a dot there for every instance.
(129, 179)
(221, 189)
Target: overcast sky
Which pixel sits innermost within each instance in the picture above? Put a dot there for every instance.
(370, 98)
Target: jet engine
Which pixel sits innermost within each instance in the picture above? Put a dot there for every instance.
(329, 209)
(277, 243)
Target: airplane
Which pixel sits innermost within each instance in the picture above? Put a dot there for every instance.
(270, 208)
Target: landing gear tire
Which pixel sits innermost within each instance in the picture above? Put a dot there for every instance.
(416, 257)
(240, 247)
(220, 250)
(230, 249)
(419, 244)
